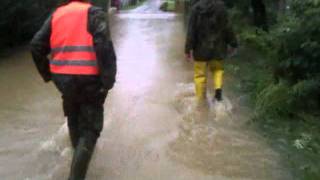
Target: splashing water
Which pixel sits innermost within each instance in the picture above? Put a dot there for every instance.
(186, 103)
(213, 140)
(59, 142)
(55, 153)
(222, 110)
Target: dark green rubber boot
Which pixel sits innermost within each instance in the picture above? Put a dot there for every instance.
(81, 159)
(74, 137)
(218, 95)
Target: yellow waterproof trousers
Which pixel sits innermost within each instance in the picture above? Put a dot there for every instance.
(200, 76)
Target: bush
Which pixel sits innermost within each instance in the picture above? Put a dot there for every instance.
(285, 84)
(292, 53)
(19, 20)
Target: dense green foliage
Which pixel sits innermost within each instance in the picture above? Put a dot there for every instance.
(292, 53)
(19, 20)
(283, 77)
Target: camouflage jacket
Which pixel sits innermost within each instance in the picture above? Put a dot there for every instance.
(209, 32)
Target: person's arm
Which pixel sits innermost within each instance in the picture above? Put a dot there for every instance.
(231, 37)
(106, 57)
(191, 33)
(40, 49)
(231, 40)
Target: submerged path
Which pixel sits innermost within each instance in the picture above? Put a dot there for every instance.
(152, 129)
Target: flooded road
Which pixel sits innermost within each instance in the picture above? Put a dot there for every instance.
(152, 130)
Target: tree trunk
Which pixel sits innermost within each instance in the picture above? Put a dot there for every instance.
(282, 6)
(259, 14)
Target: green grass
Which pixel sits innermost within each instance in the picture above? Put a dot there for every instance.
(296, 138)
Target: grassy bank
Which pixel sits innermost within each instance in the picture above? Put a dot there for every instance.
(278, 71)
(296, 138)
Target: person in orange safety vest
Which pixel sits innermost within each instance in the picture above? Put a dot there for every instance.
(83, 68)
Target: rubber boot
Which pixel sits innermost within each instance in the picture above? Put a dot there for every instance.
(74, 137)
(73, 130)
(218, 95)
(81, 159)
(71, 110)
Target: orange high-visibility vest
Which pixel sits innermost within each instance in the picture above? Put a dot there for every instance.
(71, 44)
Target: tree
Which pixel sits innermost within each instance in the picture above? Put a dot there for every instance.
(259, 14)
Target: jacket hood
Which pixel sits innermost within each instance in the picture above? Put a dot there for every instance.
(208, 6)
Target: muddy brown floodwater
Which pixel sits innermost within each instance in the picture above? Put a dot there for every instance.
(152, 131)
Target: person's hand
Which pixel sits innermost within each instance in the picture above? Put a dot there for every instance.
(103, 90)
(189, 56)
(47, 78)
(232, 51)
(108, 83)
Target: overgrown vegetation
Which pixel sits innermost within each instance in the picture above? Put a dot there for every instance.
(281, 73)
(19, 20)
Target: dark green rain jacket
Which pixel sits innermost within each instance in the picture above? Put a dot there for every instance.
(209, 32)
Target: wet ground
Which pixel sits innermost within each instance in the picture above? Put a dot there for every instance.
(153, 129)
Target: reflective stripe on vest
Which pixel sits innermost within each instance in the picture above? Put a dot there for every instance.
(71, 44)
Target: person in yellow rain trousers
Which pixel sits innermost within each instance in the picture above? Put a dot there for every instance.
(209, 38)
